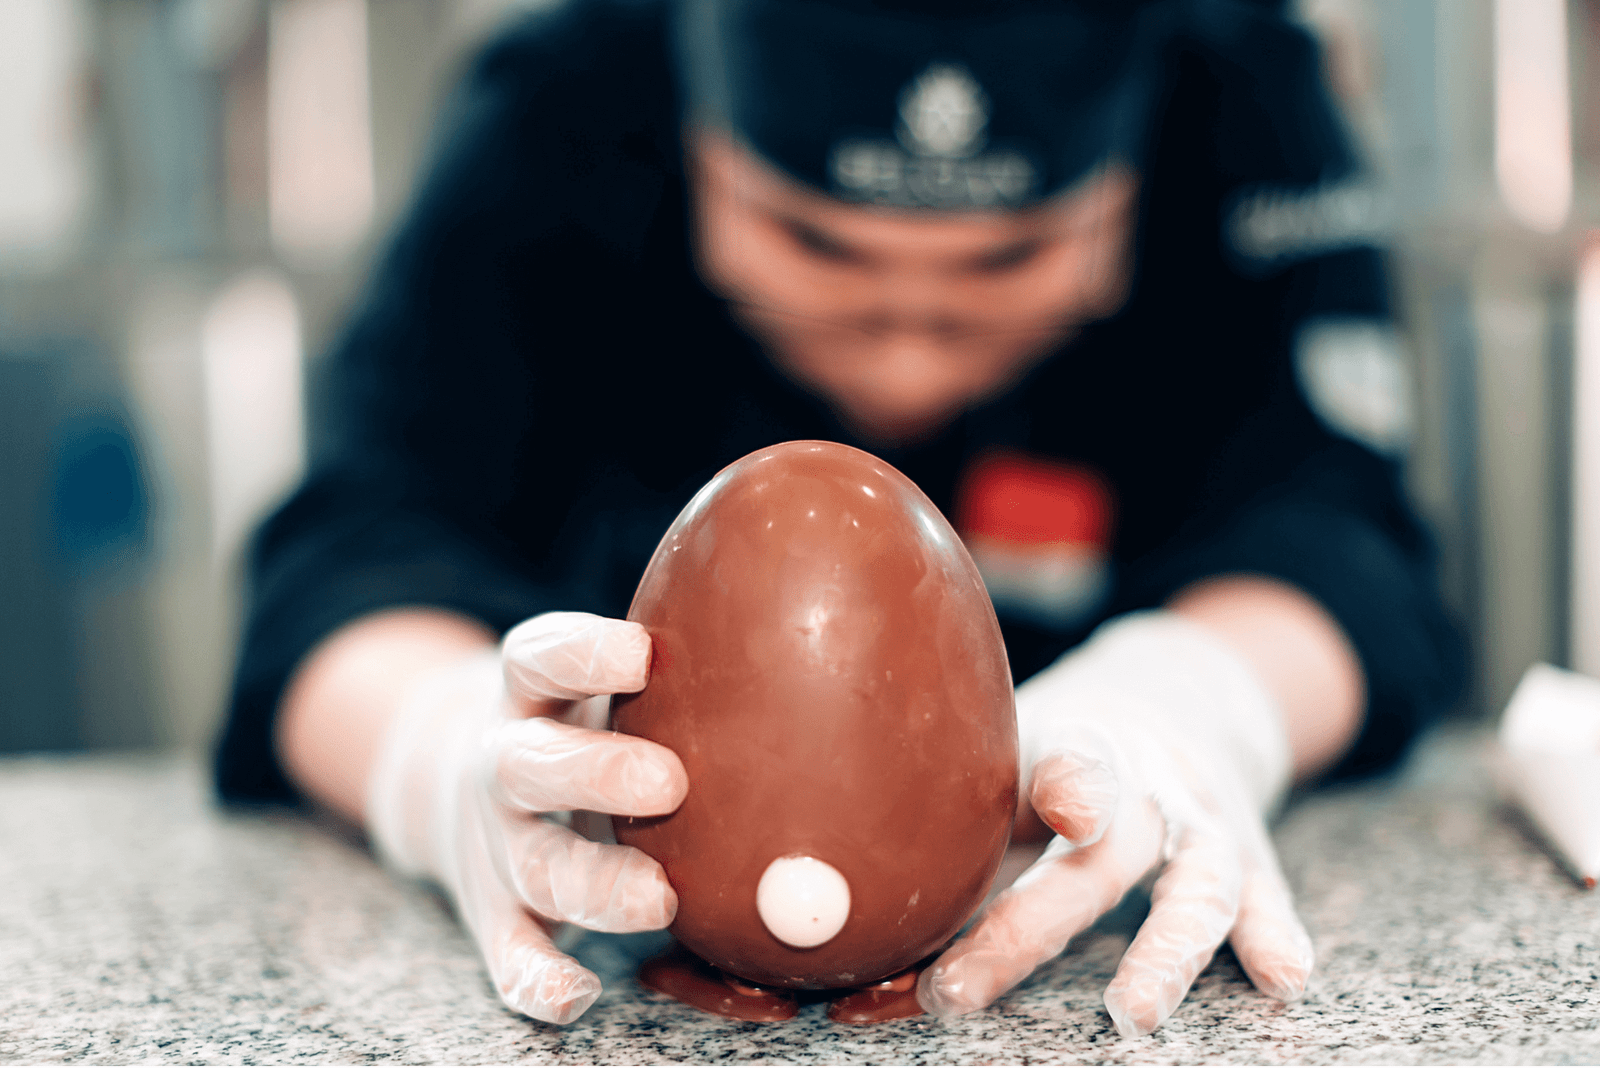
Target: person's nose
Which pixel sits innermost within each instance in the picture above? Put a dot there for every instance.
(916, 309)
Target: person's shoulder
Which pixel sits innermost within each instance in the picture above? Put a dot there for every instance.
(582, 45)
(1274, 119)
(564, 95)
(1249, 36)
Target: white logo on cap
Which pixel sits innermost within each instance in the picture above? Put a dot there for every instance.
(943, 113)
(937, 163)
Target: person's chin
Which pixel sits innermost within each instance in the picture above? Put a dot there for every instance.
(897, 430)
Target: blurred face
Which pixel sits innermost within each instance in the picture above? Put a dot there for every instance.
(902, 318)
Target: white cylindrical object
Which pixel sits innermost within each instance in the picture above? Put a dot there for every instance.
(319, 128)
(1584, 651)
(1532, 125)
(803, 901)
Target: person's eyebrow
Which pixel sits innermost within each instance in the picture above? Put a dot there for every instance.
(1010, 254)
(818, 240)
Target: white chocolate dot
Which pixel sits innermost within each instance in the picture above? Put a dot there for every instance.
(802, 900)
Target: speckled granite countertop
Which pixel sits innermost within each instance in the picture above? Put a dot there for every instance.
(140, 923)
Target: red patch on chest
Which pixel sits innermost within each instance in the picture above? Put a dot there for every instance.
(1022, 500)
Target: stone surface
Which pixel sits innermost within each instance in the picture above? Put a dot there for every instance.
(138, 922)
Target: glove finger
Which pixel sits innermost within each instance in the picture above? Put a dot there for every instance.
(1065, 891)
(1268, 938)
(564, 876)
(1192, 907)
(1075, 794)
(543, 765)
(529, 973)
(567, 656)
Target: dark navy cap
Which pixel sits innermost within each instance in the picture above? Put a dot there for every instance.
(951, 104)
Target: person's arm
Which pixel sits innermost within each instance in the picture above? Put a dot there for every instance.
(346, 694)
(414, 450)
(413, 724)
(452, 421)
(1163, 743)
(1299, 653)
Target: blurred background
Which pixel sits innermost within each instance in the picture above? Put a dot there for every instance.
(191, 190)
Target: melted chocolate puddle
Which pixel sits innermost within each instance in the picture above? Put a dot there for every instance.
(893, 999)
(680, 974)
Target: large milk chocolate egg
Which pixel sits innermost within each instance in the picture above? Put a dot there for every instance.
(827, 665)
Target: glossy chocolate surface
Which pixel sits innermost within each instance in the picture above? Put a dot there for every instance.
(827, 665)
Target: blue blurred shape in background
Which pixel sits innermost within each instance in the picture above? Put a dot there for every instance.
(74, 530)
(99, 508)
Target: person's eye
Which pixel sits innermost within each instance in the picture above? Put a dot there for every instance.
(1007, 258)
(818, 243)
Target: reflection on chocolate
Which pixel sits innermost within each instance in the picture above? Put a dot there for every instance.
(828, 667)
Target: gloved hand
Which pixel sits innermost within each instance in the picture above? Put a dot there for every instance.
(1151, 748)
(474, 781)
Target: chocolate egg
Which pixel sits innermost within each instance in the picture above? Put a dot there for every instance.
(828, 666)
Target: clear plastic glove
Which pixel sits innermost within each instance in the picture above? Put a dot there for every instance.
(474, 782)
(1150, 749)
